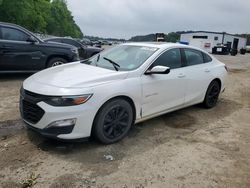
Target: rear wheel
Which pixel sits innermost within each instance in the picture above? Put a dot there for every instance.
(56, 61)
(113, 121)
(212, 94)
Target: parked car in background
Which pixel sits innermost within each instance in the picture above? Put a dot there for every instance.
(84, 51)
(86, 41)
(106, 94)
(21, 50)
(248, 49)
(105, 42)
(96, 43)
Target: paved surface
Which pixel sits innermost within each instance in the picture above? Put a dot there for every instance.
(193, 147)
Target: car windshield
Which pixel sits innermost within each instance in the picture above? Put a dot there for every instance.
(127, 57)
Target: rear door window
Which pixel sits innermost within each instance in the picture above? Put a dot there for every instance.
(13, 34)
(193, 57)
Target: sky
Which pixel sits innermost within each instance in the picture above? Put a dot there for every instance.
(127, 18)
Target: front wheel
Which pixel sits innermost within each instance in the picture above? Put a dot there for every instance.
(56, 61)
(113, 121)
(212, 94)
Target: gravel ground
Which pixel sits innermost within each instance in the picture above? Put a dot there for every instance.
(193, 147)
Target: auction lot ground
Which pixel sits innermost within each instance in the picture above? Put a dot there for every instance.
(193, 147)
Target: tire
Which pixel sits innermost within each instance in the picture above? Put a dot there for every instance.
(212, 94)
(55, 62)
(113, 121)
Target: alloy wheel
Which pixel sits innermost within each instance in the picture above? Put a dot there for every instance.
(57, 63)
(116, 122)
(213, 94)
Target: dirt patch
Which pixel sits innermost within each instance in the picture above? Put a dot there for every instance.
(64, 181)
(10, 127)
(237, 70)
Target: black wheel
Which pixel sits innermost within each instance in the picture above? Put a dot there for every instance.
(212, 94)
(113, 121)
(56, 61)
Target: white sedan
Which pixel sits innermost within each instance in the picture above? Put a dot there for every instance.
(106, 94)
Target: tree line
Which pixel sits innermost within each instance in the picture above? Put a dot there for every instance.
(41, 16)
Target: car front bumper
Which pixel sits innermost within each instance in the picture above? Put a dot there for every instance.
(82, 114)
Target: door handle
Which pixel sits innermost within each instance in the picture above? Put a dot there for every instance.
(207, 70)
(181, 76)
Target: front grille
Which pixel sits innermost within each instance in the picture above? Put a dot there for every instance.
(29, 109)
(34, 97)
(31, 112)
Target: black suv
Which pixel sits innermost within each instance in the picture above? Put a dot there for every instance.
(21, 50)
(84, 51)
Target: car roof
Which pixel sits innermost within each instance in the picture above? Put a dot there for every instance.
(162, 45)
(9, 24)
(156, 44)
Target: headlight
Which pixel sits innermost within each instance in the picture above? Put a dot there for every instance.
(74, 50)
(68, 101)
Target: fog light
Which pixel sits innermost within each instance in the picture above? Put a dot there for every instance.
(62, 123)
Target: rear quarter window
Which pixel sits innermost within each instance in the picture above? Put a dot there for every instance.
(193, 57)
(206, 58)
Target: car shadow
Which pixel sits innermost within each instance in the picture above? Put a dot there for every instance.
(14, 76)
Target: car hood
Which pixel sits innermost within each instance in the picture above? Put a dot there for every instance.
(76, 75)
(57, 44)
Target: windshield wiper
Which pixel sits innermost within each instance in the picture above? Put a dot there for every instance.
(115, 65)
(98, 57)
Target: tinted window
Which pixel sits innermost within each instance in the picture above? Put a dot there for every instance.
(194, 57)
(13, 34)
(170, 58)
(207, 58)
(72, 42)
(200, 37)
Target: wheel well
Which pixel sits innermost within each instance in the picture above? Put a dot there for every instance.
(217, 80)
(55, 56)
(128, 99)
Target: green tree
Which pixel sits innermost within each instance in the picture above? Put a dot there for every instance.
(43, 16)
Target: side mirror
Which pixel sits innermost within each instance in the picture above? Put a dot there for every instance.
(32, 40)
(158, 70)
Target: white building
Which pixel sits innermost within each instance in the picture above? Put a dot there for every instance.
(207, 40)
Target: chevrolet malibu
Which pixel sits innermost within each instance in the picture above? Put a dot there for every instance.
(106, 94)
